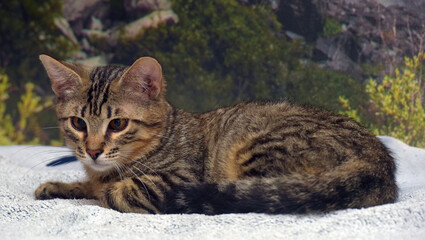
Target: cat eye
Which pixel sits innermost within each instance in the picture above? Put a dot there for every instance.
(118, 124)
(78, 124)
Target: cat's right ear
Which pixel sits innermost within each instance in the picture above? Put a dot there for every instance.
(143, 79)
(65, 81)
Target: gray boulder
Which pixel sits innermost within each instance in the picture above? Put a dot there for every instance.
(137, 8)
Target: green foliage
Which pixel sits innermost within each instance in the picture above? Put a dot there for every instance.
(220, 53)
(372, 69)
(398, 103)
(26, 129)
(321, 87)
(6, 127)
(352, 113)
(27, 29)
(331, 27)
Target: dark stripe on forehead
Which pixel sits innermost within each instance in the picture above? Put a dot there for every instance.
(104, 74)
(101, 78)
(90, 98)
(109, 112)
(98, 96)
(112, 73)
(94, 73)
(104, 98)
(107, 73)
(117, 72)
(83, 111)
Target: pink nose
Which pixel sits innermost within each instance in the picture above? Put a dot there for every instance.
(94, 154)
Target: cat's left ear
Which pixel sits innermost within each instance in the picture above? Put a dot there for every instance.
(143, 78)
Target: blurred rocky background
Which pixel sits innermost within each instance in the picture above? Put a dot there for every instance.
(345, 35)
(213, 53)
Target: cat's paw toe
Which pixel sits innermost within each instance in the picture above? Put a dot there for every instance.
(47, 190)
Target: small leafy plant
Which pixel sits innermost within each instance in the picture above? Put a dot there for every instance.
(26, 129)
(397, 103)
(331, 27)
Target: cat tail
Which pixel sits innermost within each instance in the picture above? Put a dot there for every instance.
(357, 187)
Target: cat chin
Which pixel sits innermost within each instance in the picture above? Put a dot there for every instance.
(100, 168)
(96, 166)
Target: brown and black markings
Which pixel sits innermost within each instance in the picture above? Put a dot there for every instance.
(142, 155)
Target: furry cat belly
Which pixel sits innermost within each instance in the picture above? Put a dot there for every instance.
(142, 155)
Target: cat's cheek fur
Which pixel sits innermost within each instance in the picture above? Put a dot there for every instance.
(141, 145)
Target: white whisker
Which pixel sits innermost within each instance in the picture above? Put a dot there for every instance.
(147, 191)
(117, 166)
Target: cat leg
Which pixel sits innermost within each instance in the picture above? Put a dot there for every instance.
(144, 194)
(76, 190)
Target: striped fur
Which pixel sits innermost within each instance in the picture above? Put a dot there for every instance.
(252, 157)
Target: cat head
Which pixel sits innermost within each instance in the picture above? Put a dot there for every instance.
(109, 115)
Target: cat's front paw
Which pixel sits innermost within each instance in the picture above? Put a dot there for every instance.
(48, 190)
(124, 196)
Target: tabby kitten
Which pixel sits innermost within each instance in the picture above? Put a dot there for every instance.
(142, 155)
